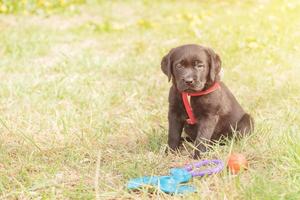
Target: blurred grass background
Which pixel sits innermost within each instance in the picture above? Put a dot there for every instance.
(83, 103)
(38, 6)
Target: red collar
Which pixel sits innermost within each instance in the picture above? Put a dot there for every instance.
(192, 120)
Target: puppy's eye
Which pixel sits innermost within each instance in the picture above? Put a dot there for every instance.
(198, 64)
(179, 65)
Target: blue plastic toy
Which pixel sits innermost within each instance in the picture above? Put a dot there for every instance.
(173, 184)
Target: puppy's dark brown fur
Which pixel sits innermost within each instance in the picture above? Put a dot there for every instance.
(195, 68)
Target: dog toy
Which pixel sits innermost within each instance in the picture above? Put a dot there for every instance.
(236, 162)
(173, 184)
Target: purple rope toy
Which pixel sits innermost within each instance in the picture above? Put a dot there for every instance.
(209, 171)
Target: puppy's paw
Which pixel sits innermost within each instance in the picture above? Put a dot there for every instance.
(199, 150)
(197, 155)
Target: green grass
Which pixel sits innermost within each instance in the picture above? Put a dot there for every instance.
(83, 102)
(38, 6)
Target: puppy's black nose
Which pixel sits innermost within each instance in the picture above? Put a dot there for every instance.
(189, 81)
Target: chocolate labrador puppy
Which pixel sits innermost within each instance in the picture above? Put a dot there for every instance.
(193, 68)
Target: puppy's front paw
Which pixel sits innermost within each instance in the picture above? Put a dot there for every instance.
(197, 155)
(200, 148)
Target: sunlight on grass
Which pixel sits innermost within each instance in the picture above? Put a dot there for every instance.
(83, 77)
(37, 6)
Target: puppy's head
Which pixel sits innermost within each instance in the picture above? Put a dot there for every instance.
(191, 67)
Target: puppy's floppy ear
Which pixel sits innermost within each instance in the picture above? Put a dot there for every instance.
(215, 65)
(166, 65)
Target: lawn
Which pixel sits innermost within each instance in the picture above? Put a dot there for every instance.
(83, 101)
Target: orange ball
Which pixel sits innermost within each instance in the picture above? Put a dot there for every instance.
(236, 162)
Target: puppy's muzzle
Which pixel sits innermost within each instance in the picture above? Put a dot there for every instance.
(189, 81)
